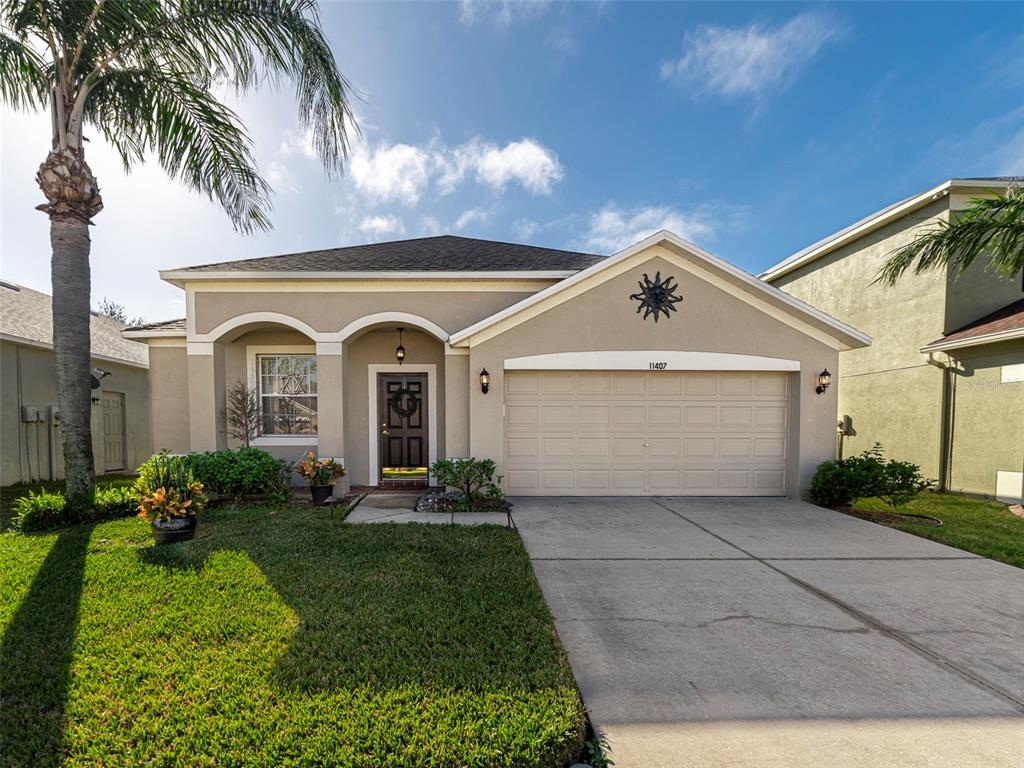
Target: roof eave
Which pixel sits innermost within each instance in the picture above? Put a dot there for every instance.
(943, 345)
(156, 333)
(848, 336)
(873, 222)
(92, 353)
(179, 277)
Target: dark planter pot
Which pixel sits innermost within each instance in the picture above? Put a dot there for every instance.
(321, 493)
(170, 531)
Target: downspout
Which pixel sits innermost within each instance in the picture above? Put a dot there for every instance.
(948, 369)
(22, 426)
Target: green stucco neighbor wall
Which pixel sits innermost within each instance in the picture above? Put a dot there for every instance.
(893, 392)
(988, 417)
(889, 390)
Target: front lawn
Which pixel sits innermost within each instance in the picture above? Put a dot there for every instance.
(11, 493)
(280, 637)
(983, 527)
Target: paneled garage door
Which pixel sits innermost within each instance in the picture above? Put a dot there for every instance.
(659, 433)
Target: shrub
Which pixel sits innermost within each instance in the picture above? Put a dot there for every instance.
(474, 477)
(39, 511)
(323, 471)
(112, 503)
(169, 490)
(839, 482)
(231, 473)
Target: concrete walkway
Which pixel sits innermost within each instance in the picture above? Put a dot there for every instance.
(399, 508)
(775, 633)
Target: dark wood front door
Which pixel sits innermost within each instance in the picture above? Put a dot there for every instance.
(402, 401)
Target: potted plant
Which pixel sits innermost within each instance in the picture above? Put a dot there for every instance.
(321, 474)
(170, 498)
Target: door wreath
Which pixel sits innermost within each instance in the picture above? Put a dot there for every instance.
(412, 404)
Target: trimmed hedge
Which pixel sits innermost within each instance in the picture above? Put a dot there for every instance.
(839, 482)
(39, 511)
(245, 472)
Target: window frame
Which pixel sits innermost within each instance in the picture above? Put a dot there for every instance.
(253, 353)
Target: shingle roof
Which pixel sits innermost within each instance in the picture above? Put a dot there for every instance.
(27, 314)
(446, 253)
(163, 325)
(1009, 318)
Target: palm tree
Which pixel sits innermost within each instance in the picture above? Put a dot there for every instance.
(142, 73)
(991, 225)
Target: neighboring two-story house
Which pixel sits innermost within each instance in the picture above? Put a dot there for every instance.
(942, 384)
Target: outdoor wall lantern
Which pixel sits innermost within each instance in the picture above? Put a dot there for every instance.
(400, 350)
(824, 379)
(485, 381)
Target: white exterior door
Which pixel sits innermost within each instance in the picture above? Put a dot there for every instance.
(593, 433)
(112, 412)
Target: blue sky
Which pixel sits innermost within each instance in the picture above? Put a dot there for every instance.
(751, 129)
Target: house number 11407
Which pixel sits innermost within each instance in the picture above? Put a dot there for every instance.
(658, 366)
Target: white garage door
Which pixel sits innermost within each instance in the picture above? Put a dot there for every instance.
(659, 433)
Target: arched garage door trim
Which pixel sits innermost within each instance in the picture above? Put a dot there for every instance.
(649, 360)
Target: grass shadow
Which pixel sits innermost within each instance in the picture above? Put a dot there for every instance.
(36, 655)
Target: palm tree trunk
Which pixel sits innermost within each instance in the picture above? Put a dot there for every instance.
(69, 270)
(73, 195)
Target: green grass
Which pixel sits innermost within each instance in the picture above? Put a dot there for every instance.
(983, 527)
(11, 493)
(280, 637)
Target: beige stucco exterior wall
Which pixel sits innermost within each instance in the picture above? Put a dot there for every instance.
(888, 389)
(709, 320)
(330, 311)
(168, 384)
(988, 418)
(28, 372)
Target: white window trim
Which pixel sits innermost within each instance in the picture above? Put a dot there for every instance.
(252, 382)
(374, 430)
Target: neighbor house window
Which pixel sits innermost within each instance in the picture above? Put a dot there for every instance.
(287, 391)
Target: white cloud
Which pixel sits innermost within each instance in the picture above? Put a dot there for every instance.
(501, 12)
(403, 172)
(613, 228)
(472, 216)
(430, 226)
(748, 61)
(297, 144)
(391, 172)
(525, 162)
(376, 227)
(281, 179)
(525, 228)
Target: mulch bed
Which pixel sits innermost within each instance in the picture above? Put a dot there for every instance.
(890, 518)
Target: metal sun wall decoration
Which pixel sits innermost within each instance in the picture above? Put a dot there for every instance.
(656, 296)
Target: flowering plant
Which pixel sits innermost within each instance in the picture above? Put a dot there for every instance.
(169, 490)
(319, 471)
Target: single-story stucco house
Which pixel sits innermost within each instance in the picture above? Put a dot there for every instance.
(30, 444)
(659, 370)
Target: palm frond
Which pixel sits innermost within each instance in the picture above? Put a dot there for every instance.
(991, 226)
(241, 43)
(143, 72)
(196, 139)
(24, 83)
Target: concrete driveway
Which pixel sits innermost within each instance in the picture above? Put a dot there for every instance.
(731, 632)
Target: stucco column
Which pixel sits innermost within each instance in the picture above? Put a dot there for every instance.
(331, 405)
(456, 404)
(206, 397)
